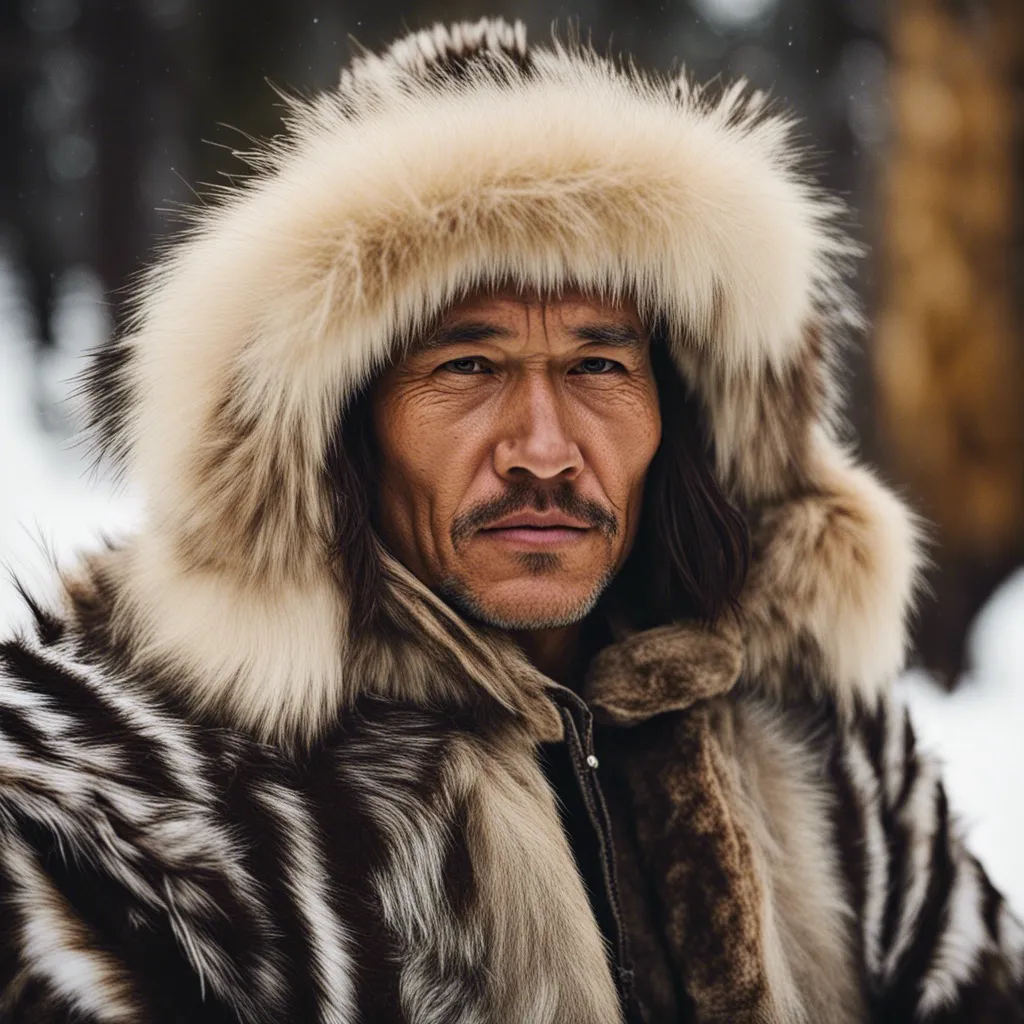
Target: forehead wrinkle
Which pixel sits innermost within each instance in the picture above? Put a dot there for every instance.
(543, 322)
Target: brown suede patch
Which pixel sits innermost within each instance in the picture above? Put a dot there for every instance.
(668, 668)
(657, 987)
(700, 863)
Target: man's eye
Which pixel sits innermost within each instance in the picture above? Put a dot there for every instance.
(598, 365)
(466, 365)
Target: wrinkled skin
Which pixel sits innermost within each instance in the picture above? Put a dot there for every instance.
(518, 404)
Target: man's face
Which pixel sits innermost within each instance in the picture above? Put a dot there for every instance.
(514, 443)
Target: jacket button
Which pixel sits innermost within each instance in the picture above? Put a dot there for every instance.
(592, 761)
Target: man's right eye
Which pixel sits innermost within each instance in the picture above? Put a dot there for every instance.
(465, 366)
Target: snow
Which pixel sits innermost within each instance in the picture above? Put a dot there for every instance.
(52, 502)
(52, 506)
(977, 732)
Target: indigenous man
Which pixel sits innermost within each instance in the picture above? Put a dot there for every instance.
(509, 639)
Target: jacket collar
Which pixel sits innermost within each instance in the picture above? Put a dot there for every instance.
(643, 674)
(668, 668)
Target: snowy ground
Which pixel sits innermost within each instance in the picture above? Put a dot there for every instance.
(977, 732)
(51, 505)
(51, 500)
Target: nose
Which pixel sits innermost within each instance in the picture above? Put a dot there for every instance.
(535, 441)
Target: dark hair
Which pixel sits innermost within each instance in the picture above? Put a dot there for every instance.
(691, 553)
(692, 548)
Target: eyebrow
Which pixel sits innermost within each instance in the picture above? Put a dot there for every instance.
(462, 333)
(624, 335)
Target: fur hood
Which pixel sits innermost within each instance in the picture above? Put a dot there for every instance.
(457, 158)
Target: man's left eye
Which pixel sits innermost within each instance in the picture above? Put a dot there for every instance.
(597, 365)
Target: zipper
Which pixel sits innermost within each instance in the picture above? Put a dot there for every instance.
(579, 737)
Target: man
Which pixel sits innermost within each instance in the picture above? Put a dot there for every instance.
(509, 638)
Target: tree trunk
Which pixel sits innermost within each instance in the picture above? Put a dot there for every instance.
(948, 355)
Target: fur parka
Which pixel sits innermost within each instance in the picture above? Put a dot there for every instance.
(222, 800)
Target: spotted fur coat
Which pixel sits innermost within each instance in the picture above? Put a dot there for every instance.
(222, 801)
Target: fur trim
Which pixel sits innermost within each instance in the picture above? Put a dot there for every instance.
(784, 803)
(669, 668)
(833, 576)
(281, 662)
(459, 158)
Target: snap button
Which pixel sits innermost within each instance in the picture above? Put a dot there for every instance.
(592, 761)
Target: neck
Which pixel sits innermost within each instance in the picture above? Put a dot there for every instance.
(556, 652)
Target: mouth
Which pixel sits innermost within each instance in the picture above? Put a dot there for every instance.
(540, 536)
(537, 529)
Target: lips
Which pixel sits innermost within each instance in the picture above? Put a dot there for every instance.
(538, 521)
(537, 529)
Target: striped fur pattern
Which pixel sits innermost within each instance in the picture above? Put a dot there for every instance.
(412, 868)
(937, 940)
(152, 870)
(879, 911)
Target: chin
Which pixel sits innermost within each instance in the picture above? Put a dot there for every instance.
(524, 604)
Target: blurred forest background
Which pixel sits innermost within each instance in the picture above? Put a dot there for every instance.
(114, 112)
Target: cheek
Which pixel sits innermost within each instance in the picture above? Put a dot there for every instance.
(641, 441)
(625, 438)
(644, 440)
(408, 470)
(426, 454)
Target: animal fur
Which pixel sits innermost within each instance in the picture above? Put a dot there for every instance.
(391, 196)
(220, 800)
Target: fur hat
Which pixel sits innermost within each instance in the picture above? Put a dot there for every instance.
(461, 157)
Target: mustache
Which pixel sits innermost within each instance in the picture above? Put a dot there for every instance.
(521, 497)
